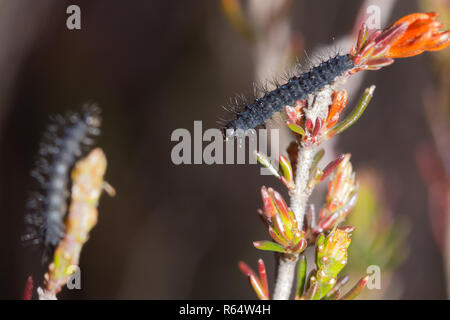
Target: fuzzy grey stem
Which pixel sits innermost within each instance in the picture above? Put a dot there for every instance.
(299, 197)
(318, 107)
(285, 279)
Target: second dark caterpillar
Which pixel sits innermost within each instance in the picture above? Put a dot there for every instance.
(66, 139)
(296, 88)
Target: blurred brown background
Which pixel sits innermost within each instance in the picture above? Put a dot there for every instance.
(177, 232)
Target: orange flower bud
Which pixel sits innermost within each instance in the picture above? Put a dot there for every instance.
(407, 37)
(422, 34)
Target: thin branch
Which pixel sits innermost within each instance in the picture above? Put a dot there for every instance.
(300, 196)
(285, 279)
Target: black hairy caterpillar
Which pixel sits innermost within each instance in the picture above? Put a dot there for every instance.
(67, 138)
(296, 88)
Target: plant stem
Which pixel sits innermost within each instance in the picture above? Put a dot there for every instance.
(299, 199)
(285, 279)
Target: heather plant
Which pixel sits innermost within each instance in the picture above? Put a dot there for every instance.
(312, 120)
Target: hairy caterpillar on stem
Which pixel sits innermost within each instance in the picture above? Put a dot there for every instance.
(296, 88)
(67, 139)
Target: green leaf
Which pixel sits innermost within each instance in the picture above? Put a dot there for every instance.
(269, 246)
(286, 168)
(265, 162)
(355, 114)
(296, 128)
(301, 276)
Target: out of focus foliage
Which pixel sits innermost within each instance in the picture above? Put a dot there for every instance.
(377, 239)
